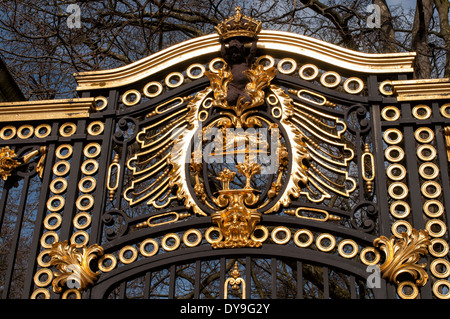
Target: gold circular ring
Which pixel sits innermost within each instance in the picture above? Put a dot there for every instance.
(208, 233)
(78, 234)
(58, 165)
(430, 166)
(68, 292)
(434, 268)
(428, 131)
(76, 220)
(102, 266)
(272, 99)
(57, 181)
(41, 272)
(268, 58)
(394, 167)
(426, 157)
(203, 115)
(166, 237)
(95, 128)
(388, 110)
(323, 236)
(344, 243)
(193, 67)
(125, 249)
(306, 243)
(430, 225)
(395, 212)
(133, 102)
(392, 136)
(336, 82)
(207, 103)
(403, 295)
(212, 68)
(445, 110)
(367, 250)
(168, 79)
(433, 251)
(398, 224)
(23, 136)
(83, 207)
(62, 148)
(314, 74)
(388, 153)
(39, 128)
(5, 129)
(88, 147)
(40, 291)
(285, 61)
(383, 85)
(265, 235)
(437, 213)
(351, 80)
(159, 89)
(286, 238)
(50, 217)
(196, 233)
(276, 112)
(395, 186)
(427, 193)
(146, 242)
(46, 235)
(84, 180)
(103, 105)
(417, 110)
(437, 285)
(50, 203)
(40, 258)
(67, 129)
(84, 167)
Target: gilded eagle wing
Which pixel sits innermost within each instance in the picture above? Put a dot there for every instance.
(320, 156)
(158, 166)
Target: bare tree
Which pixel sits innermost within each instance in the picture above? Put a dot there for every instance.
(42, 51)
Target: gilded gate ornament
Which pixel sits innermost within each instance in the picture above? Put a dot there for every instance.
(73, 265)
(402, 256)
(9, 161)
(228, 144)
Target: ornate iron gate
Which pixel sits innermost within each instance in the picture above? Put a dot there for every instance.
(249, 163)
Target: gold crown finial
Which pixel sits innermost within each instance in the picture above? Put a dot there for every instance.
(238, 26)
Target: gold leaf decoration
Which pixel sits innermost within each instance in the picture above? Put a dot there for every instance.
(402, 256)
(73, 265)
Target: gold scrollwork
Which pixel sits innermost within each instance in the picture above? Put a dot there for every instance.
(177, 216)
(74, 263)
(402, 256)
(113, 188)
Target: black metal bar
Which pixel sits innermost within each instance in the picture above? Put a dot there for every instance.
(147, 283)
(197, 282)
(223, 266)
(299, 265)
(326, 283)
(15, 239)
(248, 276)
(172, 281)
(273, 266)
(40, 215)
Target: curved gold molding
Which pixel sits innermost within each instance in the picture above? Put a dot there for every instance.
(269, 41)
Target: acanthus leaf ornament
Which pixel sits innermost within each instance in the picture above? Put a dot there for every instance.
(9, 161)
(402, 256)
(73, 265)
